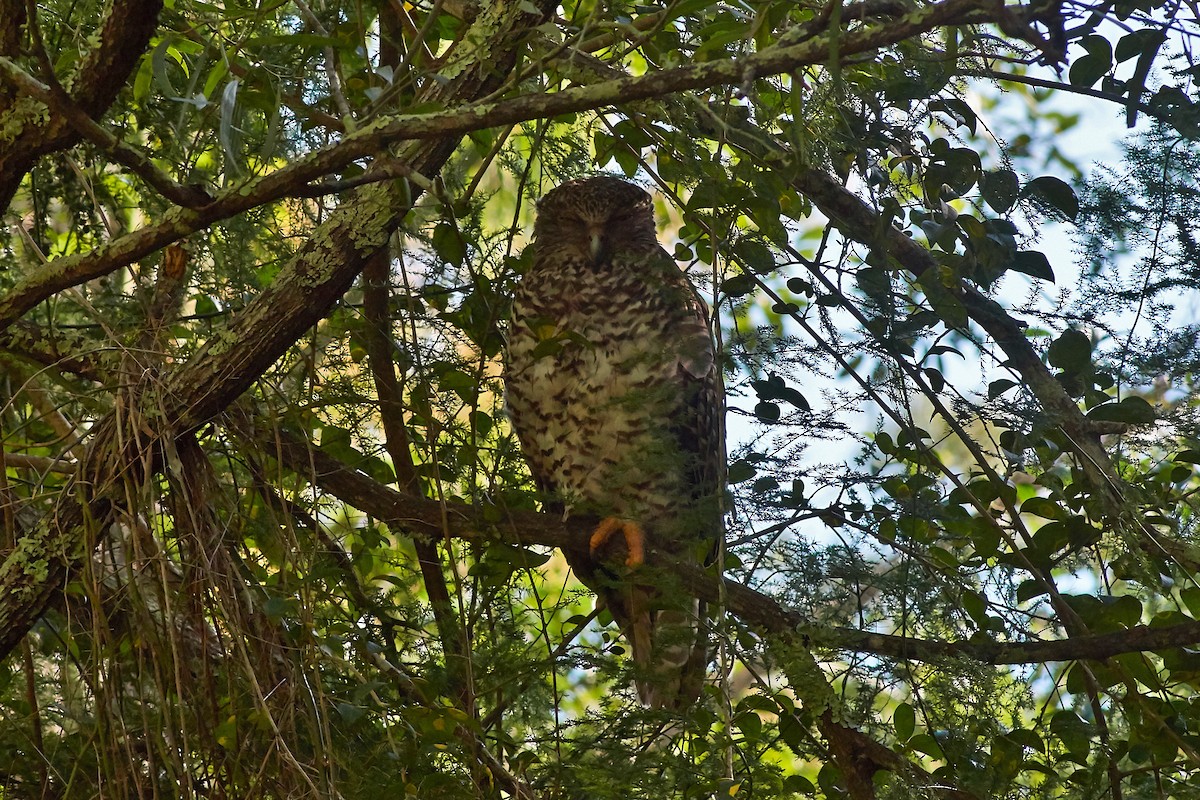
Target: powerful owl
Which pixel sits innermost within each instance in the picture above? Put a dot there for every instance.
(613, 389)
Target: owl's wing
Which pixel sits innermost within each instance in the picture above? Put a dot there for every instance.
(679, 630)
(699, 425)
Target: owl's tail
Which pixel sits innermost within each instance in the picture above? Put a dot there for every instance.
(665, 628)
(670, 648)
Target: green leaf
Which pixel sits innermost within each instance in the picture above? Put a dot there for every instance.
(767, 411)
(948, 307)
(162, 77)
(959, 111)
(1027, 738)
(975, 605)
(277, 608)
(455, 380)
(749, 723)
(793, 733)
(1005, 760)
(206, 306)
(795, 398)
(798, 784)
(602, 143)
(740, 470)
(904, 720)
(226, 129)
(448, 244)
(1133, 410)
(775, 388)
(1137, 43)
(985, 538)
(1097, 45)
(1032, 263)
(1073, 732)
(1089, 69)
(738, 286)
(1123, 610)
(1055, 191)
(1044, 507)
(1027, 590)
(801, 286)
(756, 255)
(628, 159)
(999, 387)
(924, 743)
(762, 486)
(707, 195)
(215, 76)
(1095, 65)
(141, 83)
(1191, 598)
(1000, 189)
(1187, 457)
(1047, 542)
(1071, 351)
(519, 557)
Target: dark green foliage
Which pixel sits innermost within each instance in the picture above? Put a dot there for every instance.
(952, 440)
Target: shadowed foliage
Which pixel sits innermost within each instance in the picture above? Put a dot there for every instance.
(266, 530)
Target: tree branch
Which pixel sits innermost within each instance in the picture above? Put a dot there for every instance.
(301, 294)
(464, 117)
(123, 33)
(431, 519)
(422, 517)
(857, 221)
(56, 99)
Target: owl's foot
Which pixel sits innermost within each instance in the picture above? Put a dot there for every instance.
(635, 539)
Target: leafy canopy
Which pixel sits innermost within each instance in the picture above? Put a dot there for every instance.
(267, 532)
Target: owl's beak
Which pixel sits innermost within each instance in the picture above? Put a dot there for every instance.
(597, 244)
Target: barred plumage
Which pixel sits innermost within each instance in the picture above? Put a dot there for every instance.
(613, 389)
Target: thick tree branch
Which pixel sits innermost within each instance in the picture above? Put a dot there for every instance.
(419, 516)
(422, 517)
(124, 31)
(13, 14)
(44, 281)
(301, 294)
(381, 350)
(56, 99)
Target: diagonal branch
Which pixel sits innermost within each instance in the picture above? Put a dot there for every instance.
(857, 221)
(464, 117)
(422, 517)
(124, 32)
(431, 519)
(33, 573)
(61, 105)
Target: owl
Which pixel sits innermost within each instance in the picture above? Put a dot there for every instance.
(613, 389)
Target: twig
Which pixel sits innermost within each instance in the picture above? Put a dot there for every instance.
(57, 100)
(419, 516)
(373, 138)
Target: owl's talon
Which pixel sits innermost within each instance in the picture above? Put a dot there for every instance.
(632, 533)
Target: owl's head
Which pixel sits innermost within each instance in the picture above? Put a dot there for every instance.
(593, 217)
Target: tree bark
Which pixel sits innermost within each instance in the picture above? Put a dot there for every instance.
(303, 292)
(124, 32)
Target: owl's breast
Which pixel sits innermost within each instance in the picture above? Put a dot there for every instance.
(592, 390)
